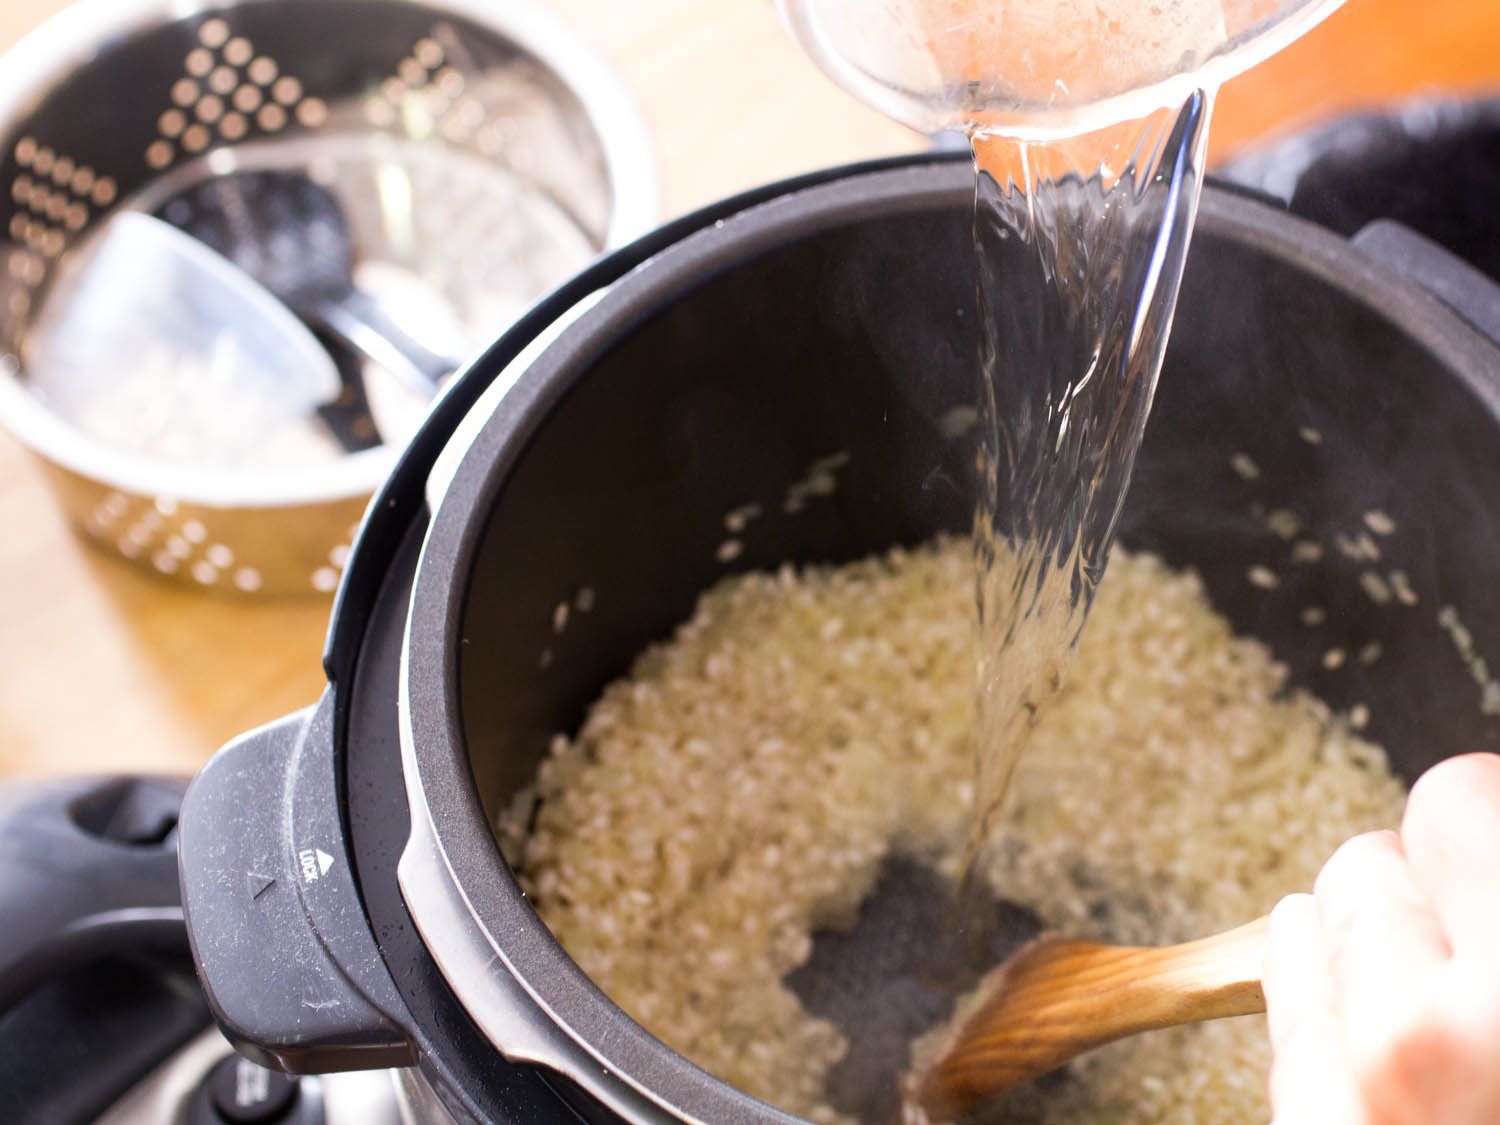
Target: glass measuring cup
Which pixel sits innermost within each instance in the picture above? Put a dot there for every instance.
(1038, 69)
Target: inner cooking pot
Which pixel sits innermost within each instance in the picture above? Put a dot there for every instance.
(836, 321)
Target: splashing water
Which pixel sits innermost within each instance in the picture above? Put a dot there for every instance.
(1080, 245)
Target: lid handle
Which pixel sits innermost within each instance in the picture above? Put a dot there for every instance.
(281, 939)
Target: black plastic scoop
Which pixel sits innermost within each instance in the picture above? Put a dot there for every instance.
(290, 234)
(897, 974)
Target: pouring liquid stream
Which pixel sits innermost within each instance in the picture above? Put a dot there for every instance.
(1080, 243)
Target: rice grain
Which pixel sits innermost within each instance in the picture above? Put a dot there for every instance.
(742, 786)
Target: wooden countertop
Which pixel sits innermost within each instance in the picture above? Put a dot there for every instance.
(104, 668)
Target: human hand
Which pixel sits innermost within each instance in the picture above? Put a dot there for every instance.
(1383, 985)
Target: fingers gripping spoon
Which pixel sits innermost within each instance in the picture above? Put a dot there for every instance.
(289, 233)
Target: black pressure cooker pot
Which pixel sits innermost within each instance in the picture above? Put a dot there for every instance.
(347, 903)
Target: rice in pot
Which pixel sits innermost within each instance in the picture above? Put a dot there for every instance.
(741, 787)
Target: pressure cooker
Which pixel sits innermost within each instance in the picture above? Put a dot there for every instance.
(346, 900)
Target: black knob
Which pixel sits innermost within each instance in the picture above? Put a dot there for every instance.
(245, 1093)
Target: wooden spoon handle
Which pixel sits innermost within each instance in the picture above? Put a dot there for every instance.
(1057, 999)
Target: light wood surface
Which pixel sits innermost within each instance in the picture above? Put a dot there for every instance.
(103, 668)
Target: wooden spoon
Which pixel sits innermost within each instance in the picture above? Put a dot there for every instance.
(1056, 999)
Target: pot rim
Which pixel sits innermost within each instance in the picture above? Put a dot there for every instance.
(528, 997)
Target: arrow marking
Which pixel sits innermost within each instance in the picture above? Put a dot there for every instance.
(259, 884)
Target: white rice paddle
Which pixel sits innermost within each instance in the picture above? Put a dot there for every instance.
(1057, 998)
